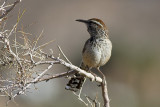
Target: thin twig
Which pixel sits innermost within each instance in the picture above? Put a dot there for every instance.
(96, 103)
(37, 78)
(36, 41)
(64, 54)
(11, 8)
(89, 101)
(59, 75)
(79, 94)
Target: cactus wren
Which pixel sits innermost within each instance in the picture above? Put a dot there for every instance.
(96, 51)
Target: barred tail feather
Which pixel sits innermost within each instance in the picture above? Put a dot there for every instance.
(76, 82)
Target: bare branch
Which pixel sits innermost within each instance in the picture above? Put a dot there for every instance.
(104, 90)
(11, 8)
(79, 94)
(37, 78)
(73, 67)
(64, 54)
(95, 102)
(59, 75)
(105, 93)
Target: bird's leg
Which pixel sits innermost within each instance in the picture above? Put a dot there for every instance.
(103, 76)
(101, 73)
(93, 75)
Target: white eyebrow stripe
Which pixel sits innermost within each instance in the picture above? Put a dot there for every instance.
(97, 23)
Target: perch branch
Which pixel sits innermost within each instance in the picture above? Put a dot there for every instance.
(104, 90)
(73, 67)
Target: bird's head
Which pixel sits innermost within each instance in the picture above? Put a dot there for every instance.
(95, 27)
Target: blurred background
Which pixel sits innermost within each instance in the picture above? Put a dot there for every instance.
(133, 72)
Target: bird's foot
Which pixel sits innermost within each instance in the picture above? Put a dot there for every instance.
(93, 79)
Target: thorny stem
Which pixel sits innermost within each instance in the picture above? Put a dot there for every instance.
(38, 77)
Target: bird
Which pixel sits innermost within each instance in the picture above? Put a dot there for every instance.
(96, 51)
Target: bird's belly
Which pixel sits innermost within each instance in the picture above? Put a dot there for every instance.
(106, 49)
(95, 56)
(91, 57)
(105, 56)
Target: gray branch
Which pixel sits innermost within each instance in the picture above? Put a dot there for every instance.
(11, 8)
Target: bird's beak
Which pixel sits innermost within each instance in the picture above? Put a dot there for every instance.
(83, 21)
